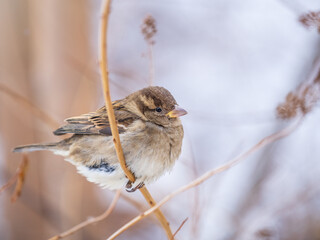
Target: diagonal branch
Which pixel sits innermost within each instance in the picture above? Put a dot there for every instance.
(179, 228)
(90, 220)
(262, 143)
(105, 8)
(31, 106)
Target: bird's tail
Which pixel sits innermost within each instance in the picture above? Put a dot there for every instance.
(36, 147)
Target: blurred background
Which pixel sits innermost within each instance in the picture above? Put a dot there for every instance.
(229, 63)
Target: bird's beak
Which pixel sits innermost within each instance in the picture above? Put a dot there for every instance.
(176, 112)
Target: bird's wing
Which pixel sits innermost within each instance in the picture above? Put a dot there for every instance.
(97, 122)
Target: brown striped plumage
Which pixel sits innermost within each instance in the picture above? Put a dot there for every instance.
(150, 132)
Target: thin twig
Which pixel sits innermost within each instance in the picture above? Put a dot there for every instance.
(105, 8)
(11, 181)
(139, 206)
(265, 141)
(21, 176)
(33, 108)
(179, 228)
(106, 90)
(149, 30)
(90, 220)
(17, 177)
(305, 97)
(158, 213)
(151, 65)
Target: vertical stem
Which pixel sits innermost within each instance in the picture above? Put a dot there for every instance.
(113, 125)
(151, 65)
(106, 90)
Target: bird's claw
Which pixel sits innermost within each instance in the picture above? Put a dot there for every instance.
(129, 187)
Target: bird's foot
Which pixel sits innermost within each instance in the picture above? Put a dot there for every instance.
(130, 188)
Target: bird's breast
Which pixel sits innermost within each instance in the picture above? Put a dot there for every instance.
(152, 151)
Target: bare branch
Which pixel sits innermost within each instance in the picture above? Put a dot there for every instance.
(33, 108)
(265, 141)
(106, 89)
(105, 8)
(90, 220)
(179, 228)
(17, 177)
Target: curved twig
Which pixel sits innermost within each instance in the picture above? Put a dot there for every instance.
(90, 220)
(265, 141)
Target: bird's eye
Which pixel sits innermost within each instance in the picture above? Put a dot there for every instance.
(158, 109)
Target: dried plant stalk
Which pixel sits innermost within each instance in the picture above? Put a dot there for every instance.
(179, 228)
(34, 109)
(311, 19)
(149, 30)
(304, 97)
(90, 220)
(18, 177)
(139, 206)
(165, 224)
(116, 139)
(11, 181)
(21, 176)
(106, 89)
(265, 141)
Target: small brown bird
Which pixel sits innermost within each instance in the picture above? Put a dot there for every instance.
(151, 135)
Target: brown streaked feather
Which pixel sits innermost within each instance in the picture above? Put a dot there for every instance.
(97, 122)
(126, 111)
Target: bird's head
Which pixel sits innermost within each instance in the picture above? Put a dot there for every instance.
(157, 105)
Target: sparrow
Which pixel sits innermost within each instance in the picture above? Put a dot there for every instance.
(151, 136)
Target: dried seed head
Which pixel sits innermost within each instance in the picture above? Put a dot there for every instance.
(149, 29)
(299, 103)
(288, 109)
(304, 98)
(311, 19)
